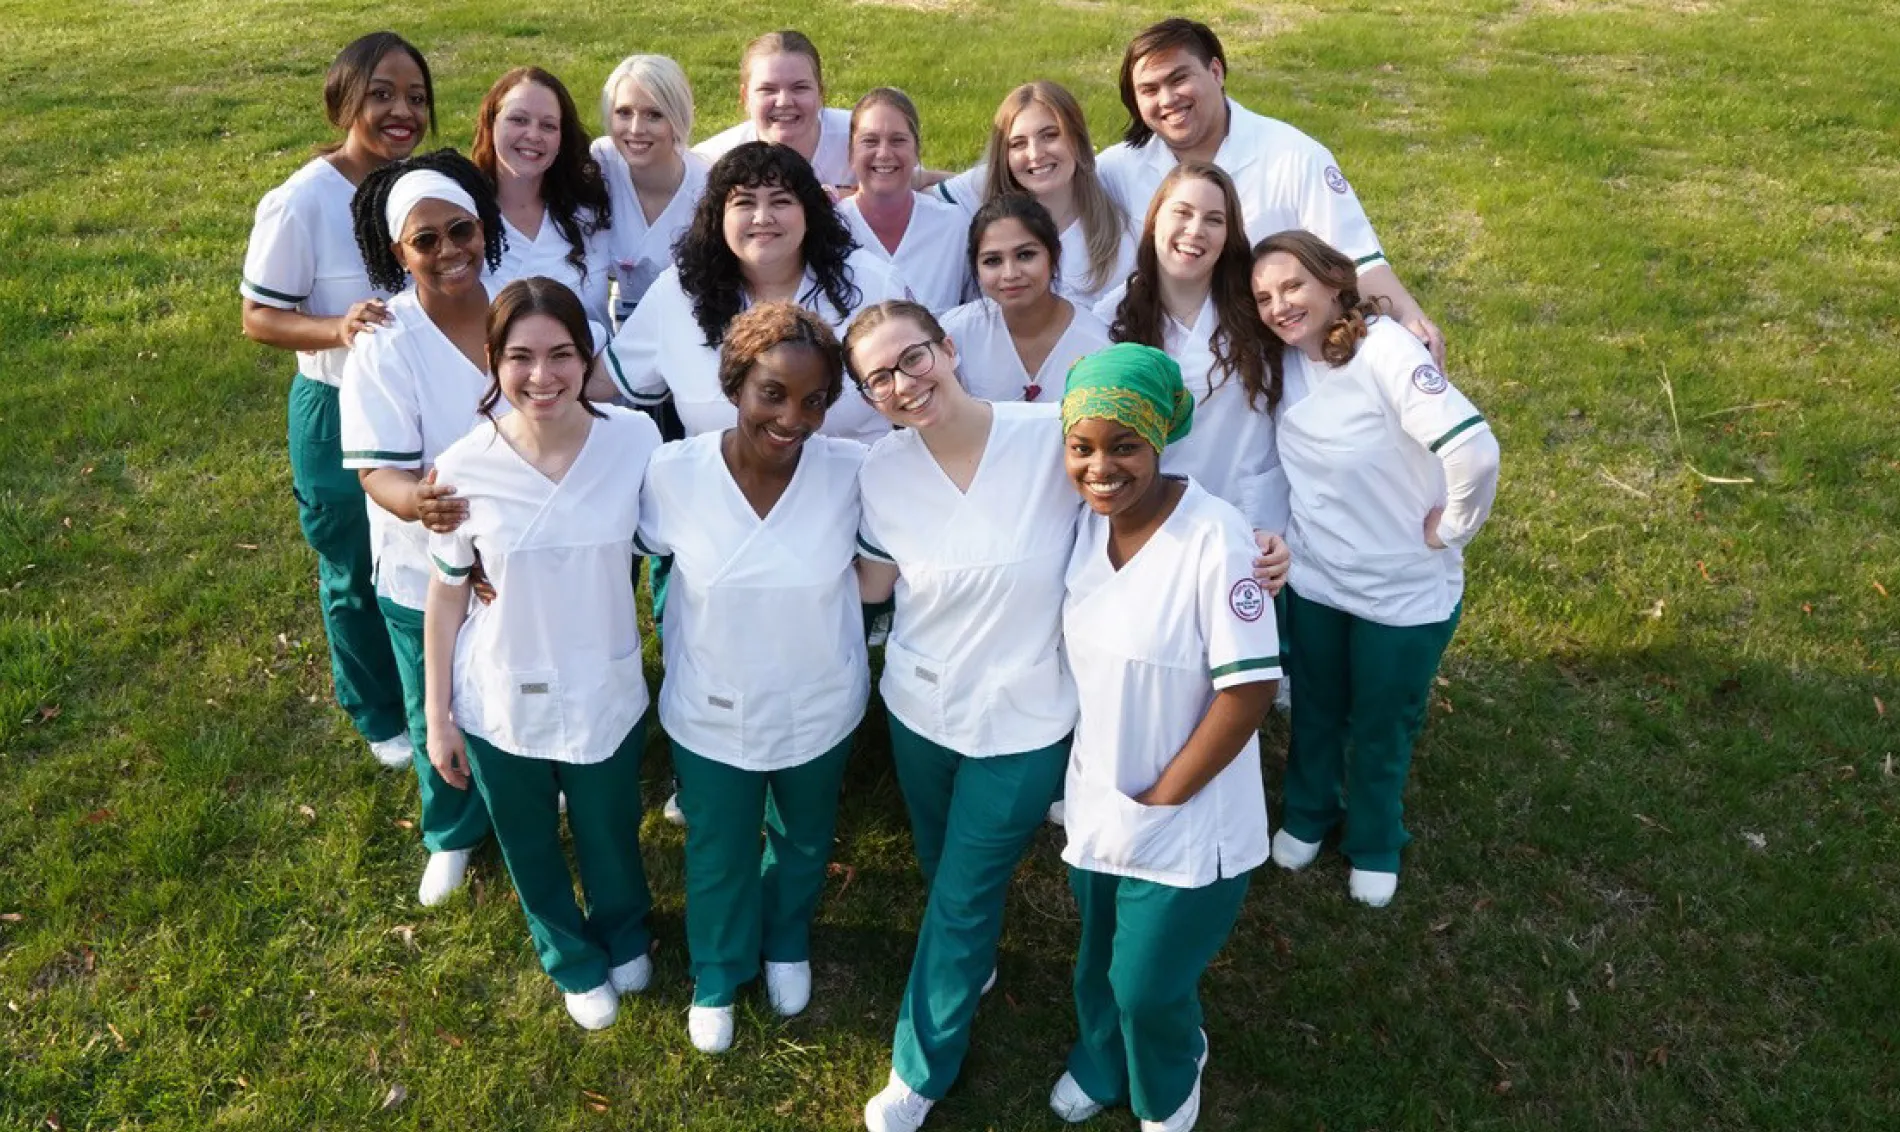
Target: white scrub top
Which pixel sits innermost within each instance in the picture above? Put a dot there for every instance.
(551, 668)
(1362, 452)
(1150, 645)
(831, 160)
(547, 253)
(994, 371)
(930, 258)
(661, 350)
(974, 661)
(303, 257)
(965, 190)
(408, 394)
(1230, 450)
(764, 634)
(640, 250)
(1285, 180)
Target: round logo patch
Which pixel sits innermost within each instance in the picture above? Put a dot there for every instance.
(1247, 600)
(1429, 380)
(1336, 181)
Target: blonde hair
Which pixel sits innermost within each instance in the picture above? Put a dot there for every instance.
(786, 42)
(895, 99)
(661, 78)
(1103, 224)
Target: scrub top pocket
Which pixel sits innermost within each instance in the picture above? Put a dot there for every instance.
(913, 688)
(1125, 834)
(525, 706)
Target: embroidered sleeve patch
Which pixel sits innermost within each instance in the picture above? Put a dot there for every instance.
(1336, 181)
(1247, 600)
(1429, 379)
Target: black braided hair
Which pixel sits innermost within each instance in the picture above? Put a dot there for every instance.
(709, 271)
(373, 237)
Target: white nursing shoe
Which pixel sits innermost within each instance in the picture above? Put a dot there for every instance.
(788, 987)
(393, 752)
(1068, 1101)
(672, 812)
(897, 1108)
(1292, 854)
(1370, 888)
(595, 1009)
(632, 976)
(1055, 814)
(446, 872)
(1184, 1117)
(710, 1027)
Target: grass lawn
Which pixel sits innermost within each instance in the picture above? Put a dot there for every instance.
(1656, 882)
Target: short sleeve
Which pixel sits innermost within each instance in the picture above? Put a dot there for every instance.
(634, 354)
(280, 264)
(452, 556)
(1243, 642)
(715, 147)
(1330, 209)
(871, 542)
(649, 538)
(965, 190)
(1117, 167)
(381, 422)
(1431, 410)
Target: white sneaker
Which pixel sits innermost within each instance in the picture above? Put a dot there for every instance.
(560, 801)
(710, 1027)
(1292, 854)
(897, 1108)
(1374, 889)
(1054, 816)
(989, 984)
(445, 872)
(788, 987)
(394, 752)
(1283, 697)
(1190, 1110)
(1069, 1102)
(672, 812)
(596, 1009)
(632, 976)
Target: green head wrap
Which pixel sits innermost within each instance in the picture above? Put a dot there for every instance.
(1133, 385)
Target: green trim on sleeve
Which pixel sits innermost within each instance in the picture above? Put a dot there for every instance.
(278, 295)
(873, 551)
(1251, 665)
(452, 571)
(1465, 425)
(1369, 260)
(379, 454)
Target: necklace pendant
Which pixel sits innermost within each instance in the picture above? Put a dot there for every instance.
(1031, 391)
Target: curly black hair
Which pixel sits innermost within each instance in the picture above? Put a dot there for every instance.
(710, 273)
(574, 188)
(368, 208)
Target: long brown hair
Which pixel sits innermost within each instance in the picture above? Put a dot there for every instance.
(573, 188)
(1102, 223)
(1239, 339)
(1330, 267)
(537, 294)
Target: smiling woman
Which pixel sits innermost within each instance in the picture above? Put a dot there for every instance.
(782, 91)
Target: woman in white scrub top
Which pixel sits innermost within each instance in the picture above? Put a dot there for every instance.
(556, 213)
(653, 179)
(969, 517)
(1021, 337)
(766, 670)
(305, 290)
(918, 233)
(1175, 655)
(763, 232)
(541, 692)
(782, 92)
(409, 391)
(1039, 144)
(1391, 471)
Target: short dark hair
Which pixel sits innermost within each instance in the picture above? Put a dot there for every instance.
(1174, 33)
(373, 237)
(346, 84)
(537, 294)
(1025, 210)
(769, 326)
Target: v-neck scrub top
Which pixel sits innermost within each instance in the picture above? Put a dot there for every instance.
(766, 666)
(1363, 452)
(661, 350)
(641, 251)
(1150, 645)
(551, 668)
(408, 394)
(931, 256)
(303, 257)
(547, 254)
(974, 661)
(831, 160)
(994, 371)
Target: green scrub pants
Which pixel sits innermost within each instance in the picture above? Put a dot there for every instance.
(451, 818)
(335, 521)
(1138, 971)
(1360, 691)
(971, 820)
(603, 814)
(746, 901)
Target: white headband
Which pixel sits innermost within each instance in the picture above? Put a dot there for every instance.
(416, 186)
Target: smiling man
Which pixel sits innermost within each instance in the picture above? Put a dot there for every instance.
(1174, 85)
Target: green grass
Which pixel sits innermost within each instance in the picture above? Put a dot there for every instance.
(1655, 879)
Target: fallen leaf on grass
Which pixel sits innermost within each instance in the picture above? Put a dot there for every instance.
(1881, 588)
(117, 1036)
(1756, 841)
(97, 816)
(396, 1095)
(595, 1101)
(247, 546)
(1570, 998)
(1703, 568)
(405, 823)
(15, 917)
(848, 872)
(406, 933)
(1501, 1088)
(309, 812)
(1886, 766)
(1652, 823)
(1441, 927)
(1659, 1057)
(1880, 709)
(52, 1121)
(453, 1041)
(241, 1081)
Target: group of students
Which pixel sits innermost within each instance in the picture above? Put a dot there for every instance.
(1101, 410)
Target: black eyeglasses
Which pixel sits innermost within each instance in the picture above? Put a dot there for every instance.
(428, 241)
(916, 361)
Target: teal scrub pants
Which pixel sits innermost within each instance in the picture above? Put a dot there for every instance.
(746, 901)
(971, 820)
(1360, 691)
(1138, 968)
(603, 814)
(451, 818)
(335, 521)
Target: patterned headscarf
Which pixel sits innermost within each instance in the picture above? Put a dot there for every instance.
(1133, 385)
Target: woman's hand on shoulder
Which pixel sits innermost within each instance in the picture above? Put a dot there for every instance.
(437, 507)
(361, 318)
